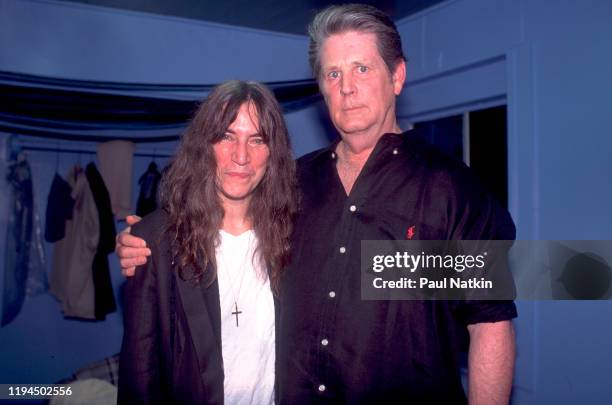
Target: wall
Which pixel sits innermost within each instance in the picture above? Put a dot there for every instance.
(550, 62)
(77, 41)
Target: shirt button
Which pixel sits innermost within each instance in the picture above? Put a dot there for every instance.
(352, 208)
(332, 294)
(324, 342)
(342, 249)
(322, 388)
(395, 152)
(333, 155)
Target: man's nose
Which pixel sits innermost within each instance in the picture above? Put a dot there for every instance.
(347, 85)
(240, 153)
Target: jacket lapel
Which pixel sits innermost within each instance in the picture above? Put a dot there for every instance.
(202, 307)
(203, 311)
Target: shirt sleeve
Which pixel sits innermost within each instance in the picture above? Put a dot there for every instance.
(479, 216)
(471, 312)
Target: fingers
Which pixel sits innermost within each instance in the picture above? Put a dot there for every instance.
(132, 219)
(128, 266)
(129, 272)
(129, 253)
(132, 251)
(129, 258)
(125, 240)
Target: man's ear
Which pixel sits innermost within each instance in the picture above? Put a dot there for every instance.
(399, 77)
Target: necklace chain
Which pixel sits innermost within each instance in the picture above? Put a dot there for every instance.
(242, 264)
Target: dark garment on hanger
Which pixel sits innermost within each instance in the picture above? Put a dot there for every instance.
(59, 209)
(103, 297)
(24, 271)
(147, 199)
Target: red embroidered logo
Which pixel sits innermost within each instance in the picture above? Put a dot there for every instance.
(410, 233)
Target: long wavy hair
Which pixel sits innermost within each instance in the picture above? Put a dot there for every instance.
(190, 195)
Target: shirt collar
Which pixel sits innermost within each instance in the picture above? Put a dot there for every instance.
(387, 139)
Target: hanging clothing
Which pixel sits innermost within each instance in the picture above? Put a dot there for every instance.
(72, 277)
(115, 159)
(59, 209)
(24, 261)
(147, 199)
(104, 299)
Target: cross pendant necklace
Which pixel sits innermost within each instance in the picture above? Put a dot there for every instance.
(242, 265)
(236, 312)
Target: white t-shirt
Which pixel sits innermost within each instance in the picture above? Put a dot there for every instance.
(248, 349)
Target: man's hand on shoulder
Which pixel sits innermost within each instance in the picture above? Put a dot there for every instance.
(132, 251)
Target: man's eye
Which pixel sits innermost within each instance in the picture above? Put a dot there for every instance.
(333, 74)
(257, 141)
(362, 69)
(226, 137)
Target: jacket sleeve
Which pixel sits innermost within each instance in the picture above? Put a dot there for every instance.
(139, 368)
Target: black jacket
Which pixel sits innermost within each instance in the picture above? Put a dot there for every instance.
(171, 350)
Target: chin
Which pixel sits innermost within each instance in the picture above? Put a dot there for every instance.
(349, 126)
(352, 129)
(236, 195)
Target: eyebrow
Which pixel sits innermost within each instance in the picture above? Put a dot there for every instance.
(353, 63)
(258, 133)
(362, 62)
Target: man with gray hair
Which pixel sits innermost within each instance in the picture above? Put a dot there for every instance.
(377, 183)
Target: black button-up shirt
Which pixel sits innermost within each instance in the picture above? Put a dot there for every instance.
(335, 347)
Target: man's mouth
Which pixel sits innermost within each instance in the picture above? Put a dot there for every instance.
(350, 109)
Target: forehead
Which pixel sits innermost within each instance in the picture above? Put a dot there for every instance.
(348, 47)
(246, 117)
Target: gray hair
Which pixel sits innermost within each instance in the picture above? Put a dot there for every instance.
(337, 19)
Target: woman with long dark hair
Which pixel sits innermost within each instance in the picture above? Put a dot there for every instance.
(199, 320)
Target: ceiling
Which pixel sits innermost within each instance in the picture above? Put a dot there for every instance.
(274, 15)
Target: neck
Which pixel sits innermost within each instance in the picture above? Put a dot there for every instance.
(235, 219)
(355, 149)
(353, 153)
(351, 157)
(366, 139)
